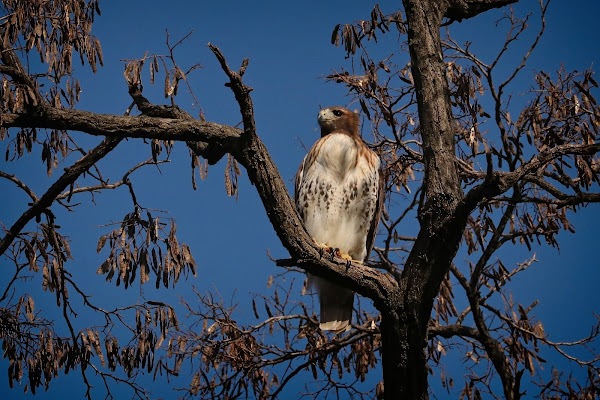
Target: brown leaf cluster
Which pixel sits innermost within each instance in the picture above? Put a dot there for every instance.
(562, 386)
(56, 29)
(141, 244)
(45, 354)
(352, 35)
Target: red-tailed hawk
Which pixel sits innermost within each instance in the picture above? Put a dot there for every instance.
(339, 193)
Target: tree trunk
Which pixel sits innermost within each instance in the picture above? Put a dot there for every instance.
(404, 330)
(404, 359)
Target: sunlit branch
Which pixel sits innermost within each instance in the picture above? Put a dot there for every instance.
(123, 126)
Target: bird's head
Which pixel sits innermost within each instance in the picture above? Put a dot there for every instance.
(338, 119)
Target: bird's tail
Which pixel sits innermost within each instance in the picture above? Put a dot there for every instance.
(336, 305)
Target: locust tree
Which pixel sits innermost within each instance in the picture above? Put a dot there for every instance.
(476, 174)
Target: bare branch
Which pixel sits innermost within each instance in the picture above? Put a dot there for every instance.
(20, 184)
(125, 126)
(240, 90)
(69, 176)
(503, 181)
(492, 347)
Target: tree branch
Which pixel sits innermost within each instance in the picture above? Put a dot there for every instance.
(239, 88)
(492, 347)
(103, 186)
(12, 66)
(500, 182)
(251, 154)
(449, 331)
(124, 126)
(69, 176)
(463, 9)
(494, 243)
(20, 184)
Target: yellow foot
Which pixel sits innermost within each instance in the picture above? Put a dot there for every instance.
(322, 245)
(343, 255)
(323, 248)
(334, 251)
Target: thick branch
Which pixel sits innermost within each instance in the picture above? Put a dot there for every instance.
(440, 230)
(124, 126)
(212, 152)
(463, 9)
(441, 224)
(247, 149)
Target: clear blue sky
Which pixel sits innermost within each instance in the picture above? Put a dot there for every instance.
(289, 49)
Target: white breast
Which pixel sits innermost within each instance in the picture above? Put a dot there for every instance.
(335, 196)
(337, 155)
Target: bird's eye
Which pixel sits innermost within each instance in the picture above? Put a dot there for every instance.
(337, 113)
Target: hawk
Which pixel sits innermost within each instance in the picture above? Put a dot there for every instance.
(339, 195)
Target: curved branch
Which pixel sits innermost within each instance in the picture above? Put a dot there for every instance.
(534, 44)
(20, 184)
(12, 66)
(282, 213)
(124, 181)
(555, 345)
